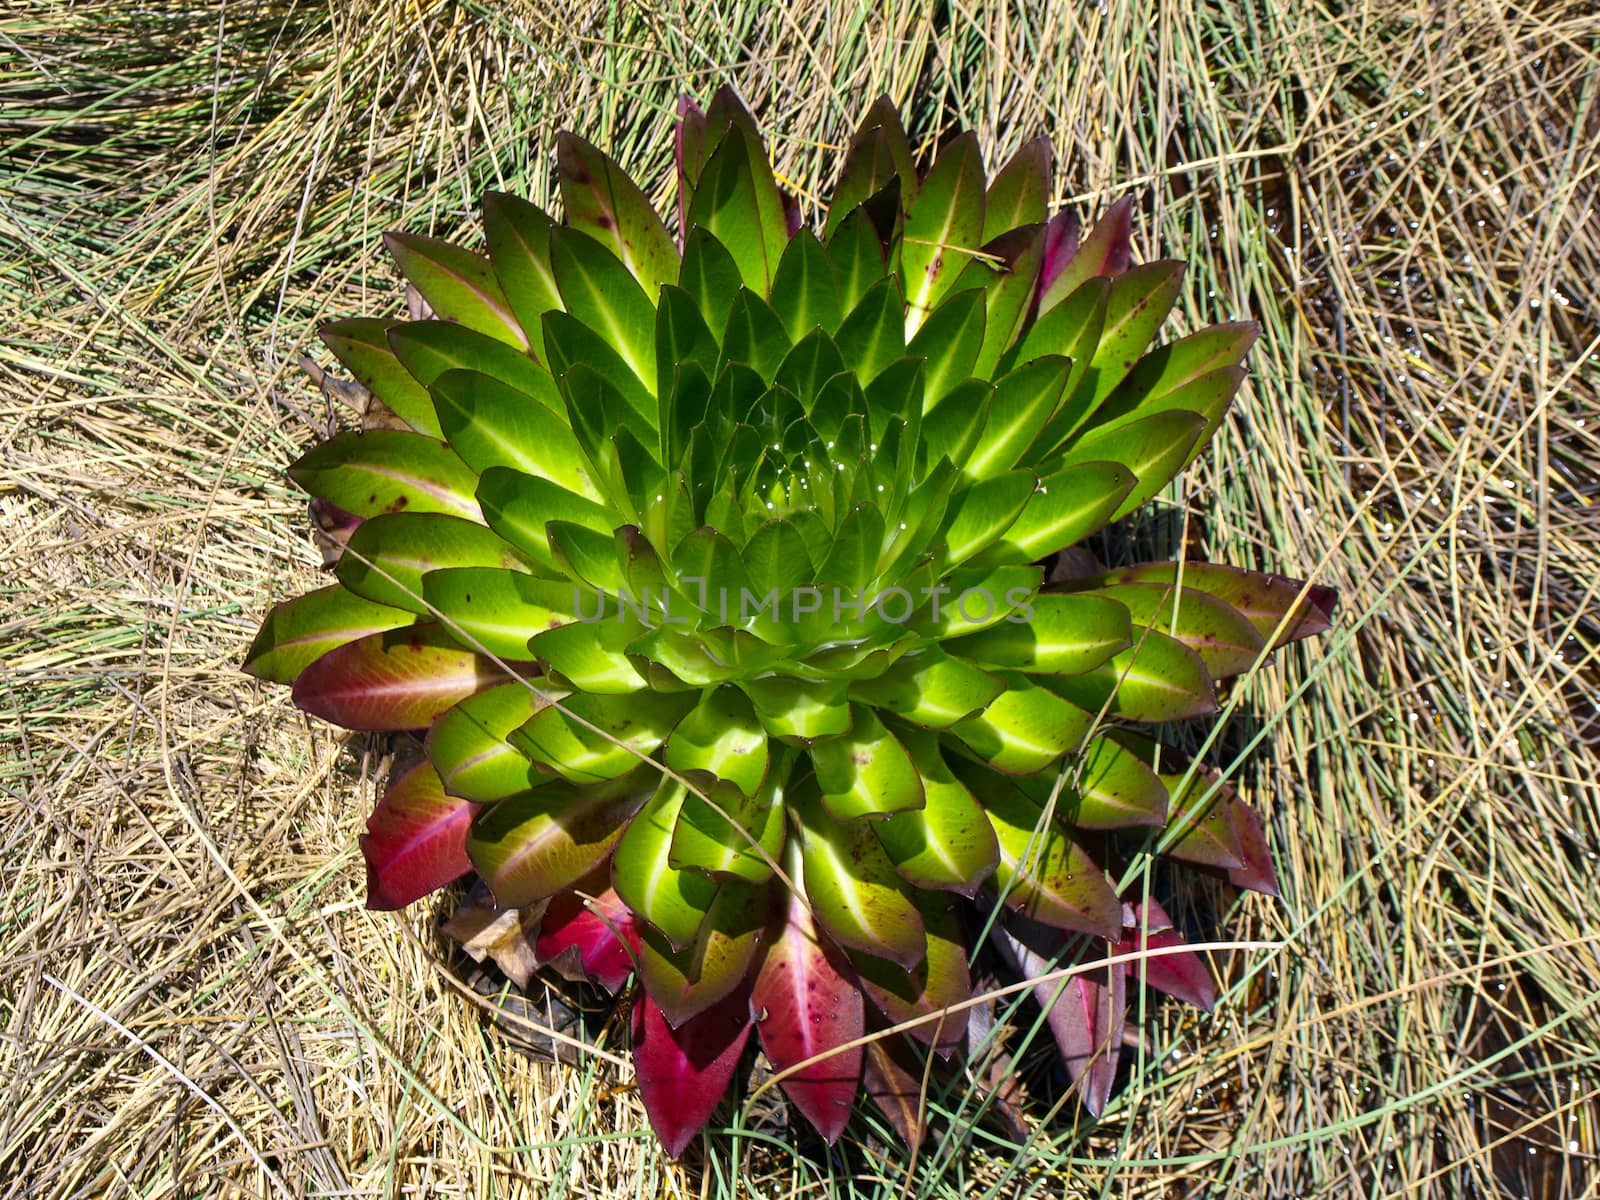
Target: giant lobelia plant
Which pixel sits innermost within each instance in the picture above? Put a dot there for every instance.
(711, 566)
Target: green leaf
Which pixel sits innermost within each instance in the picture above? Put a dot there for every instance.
(1071, 329)
(944, 226)
(941, 980)
(587, 554)
(1019, 193)
(589, 739)
(387, 556)
(710, 571)
(1156, 679)
(930, 688)
(490, 424)
(1136, 306)
(1043, 873)
(603, 202)
(458, 285)
(467, 745)
(970, 599)
(1220, 634)
(520, 508)
(518, 235)
(869, 166)
(1114, 787)
(1169, 369)
(1023, 401)
(530, 846)
(853, 562)
(1007, 271)
(1271, 603)
(1066, 508)
(362, 345)
(981, 514)
(858, 253)
(856, 895)
(1153, 448)
(1047, 636)
(732, 836)
(686, 982)
(1025, 729)
(498, 611)
(429, 349)
(805, 293)
(710, 275)
(775, 559)
(952, 430)
(600, 292)
(297, 632)
(573, 345)
(813, 361)
(592, 652)
(385, 471)
(674, 902)
(873, 335)
(722, 737)
(737, 199)
(754, 335)
(867, 772)
(682, 335)
(947, 844)
(1207, 397)
(800, 711)
(949, 340)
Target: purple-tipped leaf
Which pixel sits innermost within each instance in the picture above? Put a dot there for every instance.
(685, 982)
(1275, 605)
(458, 285)
(416, 840)
(298, 632)
(806, 1002)
(603, 202)
(1258, 874)
(684, 1072)
(401, 679)
(1107, 250)
(533, 845)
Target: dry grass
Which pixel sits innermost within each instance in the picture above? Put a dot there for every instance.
(192, 999)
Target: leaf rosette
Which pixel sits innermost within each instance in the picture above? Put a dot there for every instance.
(712, 565)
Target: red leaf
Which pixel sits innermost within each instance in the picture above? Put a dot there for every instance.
(1060, 244)
(400, 679)
(806, 1001)
(1258, 874)
(1085, 1011)
(416, 840)
(684, 1072)
(1184, 976)
(594, 940)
